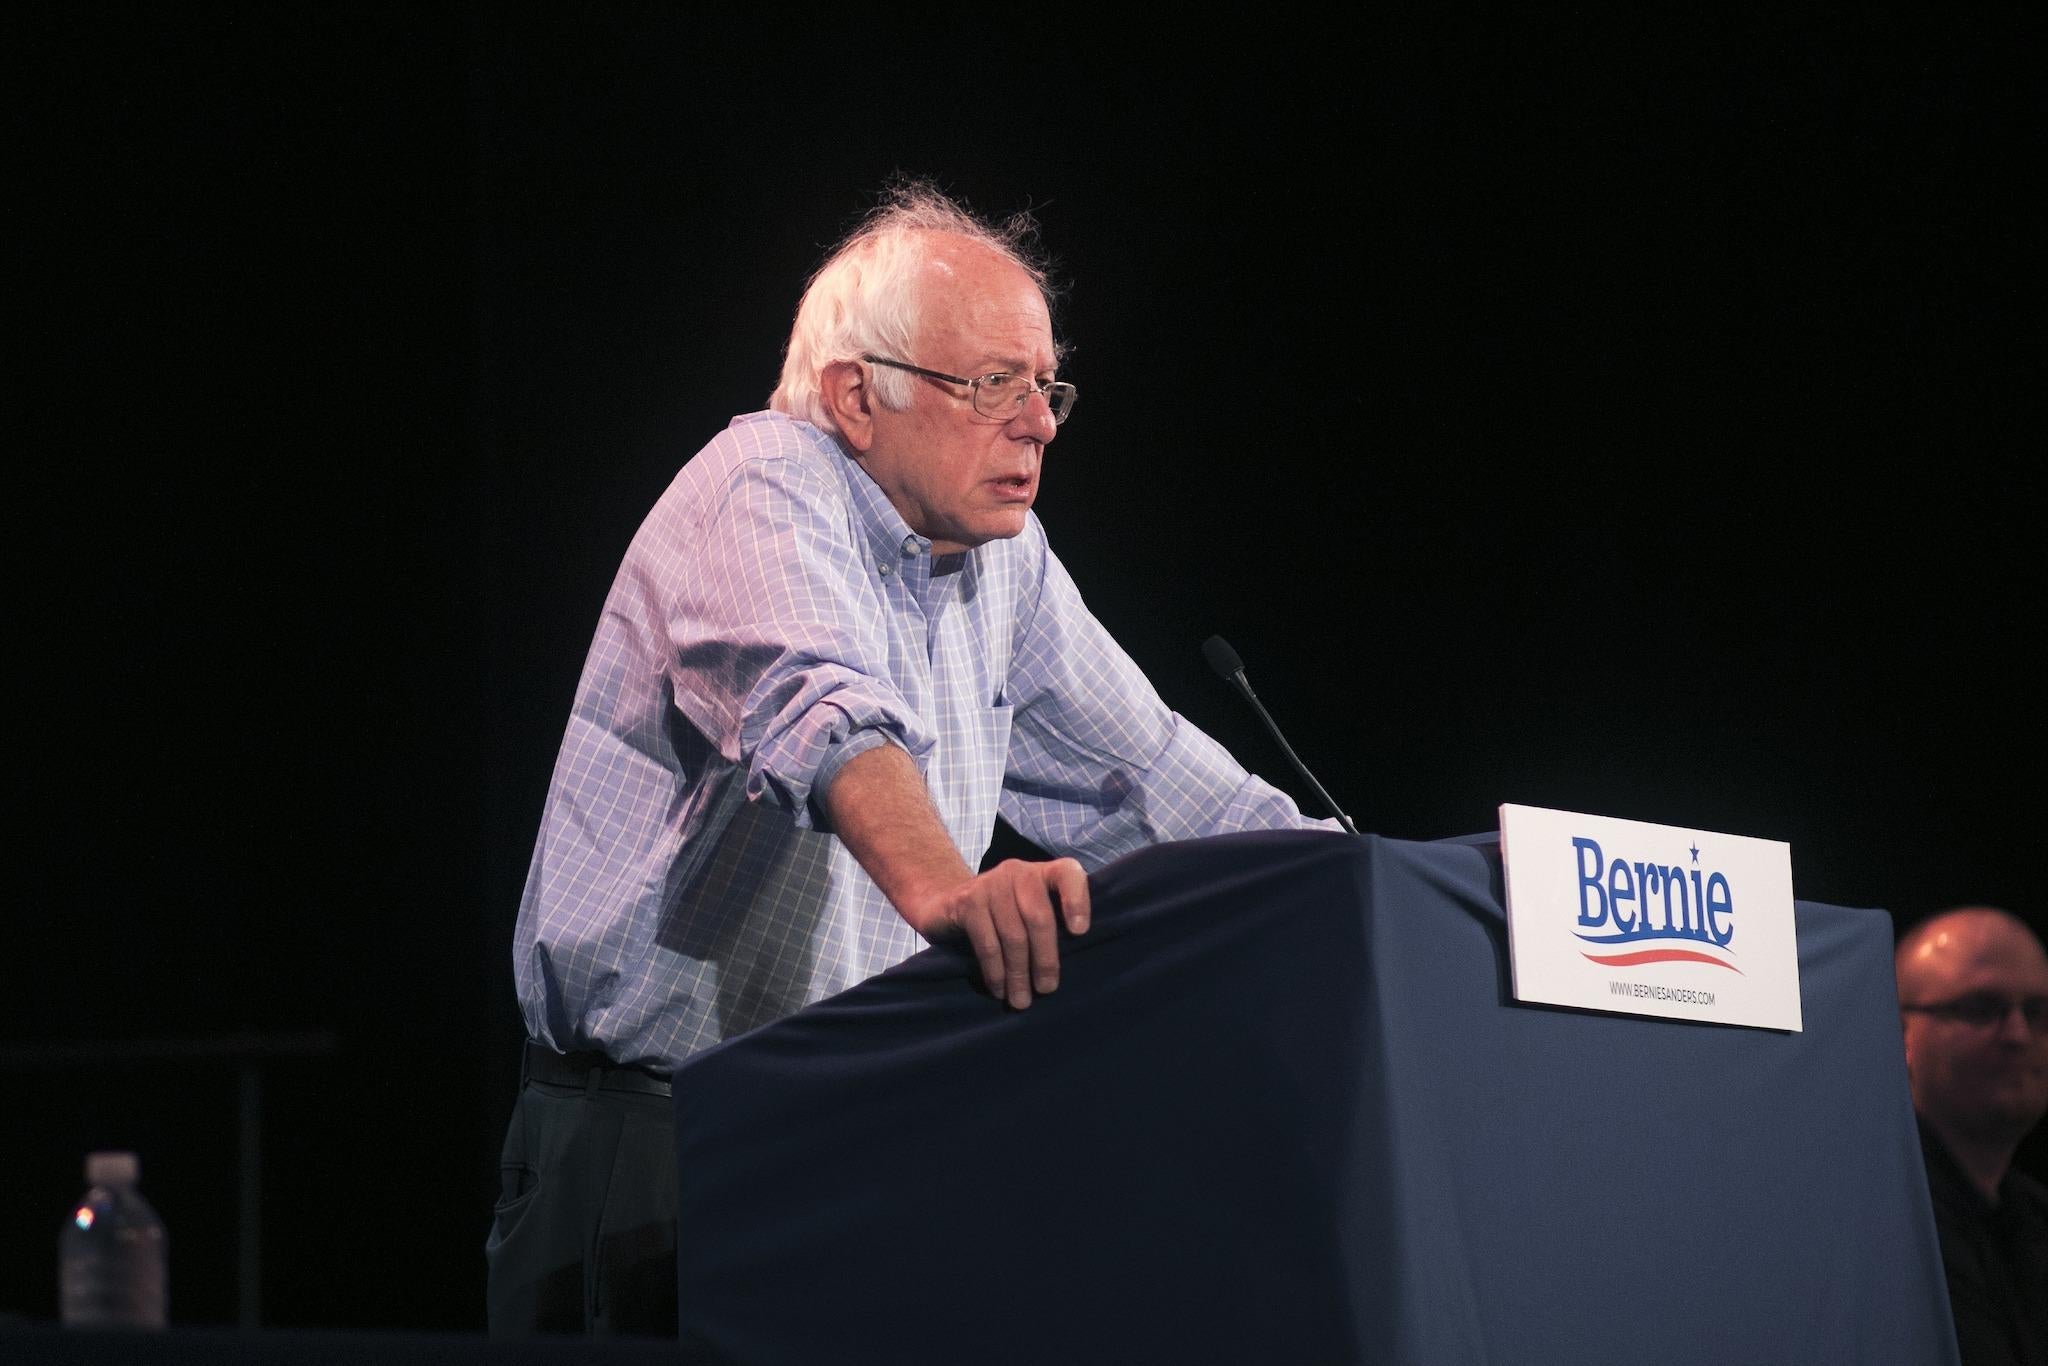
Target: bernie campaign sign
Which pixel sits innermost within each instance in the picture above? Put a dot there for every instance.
(1626, 916)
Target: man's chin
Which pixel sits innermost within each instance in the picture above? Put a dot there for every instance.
(1001, 526)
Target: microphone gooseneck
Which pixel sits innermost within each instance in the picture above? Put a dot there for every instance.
(1230, 669)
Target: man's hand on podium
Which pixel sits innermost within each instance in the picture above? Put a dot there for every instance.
(1011, 914)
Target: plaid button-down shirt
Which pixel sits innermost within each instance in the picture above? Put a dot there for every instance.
(773, 617)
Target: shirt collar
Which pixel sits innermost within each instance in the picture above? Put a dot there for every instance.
(1947, 1178)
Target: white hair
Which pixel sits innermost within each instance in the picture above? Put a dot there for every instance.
(865, 299)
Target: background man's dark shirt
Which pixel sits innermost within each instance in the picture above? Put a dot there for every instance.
(1996, 1258)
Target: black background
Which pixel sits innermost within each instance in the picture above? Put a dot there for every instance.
(1634, 416)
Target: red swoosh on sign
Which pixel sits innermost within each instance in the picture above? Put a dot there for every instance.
(1629, 960)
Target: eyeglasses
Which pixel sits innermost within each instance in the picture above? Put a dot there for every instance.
(1984, 1009)
(1001, 395)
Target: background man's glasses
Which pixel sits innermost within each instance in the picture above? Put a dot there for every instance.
(1001, 395)
(1983, 1009)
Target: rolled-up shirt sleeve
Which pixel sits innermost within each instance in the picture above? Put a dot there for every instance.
(778, 653)
(1098, 765)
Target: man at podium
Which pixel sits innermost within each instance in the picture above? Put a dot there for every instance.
(837, 647)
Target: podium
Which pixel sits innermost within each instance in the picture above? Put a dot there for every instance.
(1284, 1108)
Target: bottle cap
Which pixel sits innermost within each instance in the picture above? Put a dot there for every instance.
(112, 1169)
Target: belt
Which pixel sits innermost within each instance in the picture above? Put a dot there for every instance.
(589, 1071)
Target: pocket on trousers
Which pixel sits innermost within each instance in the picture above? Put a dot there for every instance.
(518, 1180)
(517, 1187)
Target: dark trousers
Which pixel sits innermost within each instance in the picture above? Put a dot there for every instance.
(583, 1238)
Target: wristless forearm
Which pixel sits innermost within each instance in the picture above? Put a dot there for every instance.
(883, 813)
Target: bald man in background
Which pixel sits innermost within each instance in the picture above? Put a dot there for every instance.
(1973, 1002)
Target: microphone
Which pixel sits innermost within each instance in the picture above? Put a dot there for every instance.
(1230, 669)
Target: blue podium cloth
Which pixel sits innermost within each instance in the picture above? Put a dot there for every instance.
(1283, 1108)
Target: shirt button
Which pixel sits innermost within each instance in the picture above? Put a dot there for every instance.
(910, 546)
(883, 568)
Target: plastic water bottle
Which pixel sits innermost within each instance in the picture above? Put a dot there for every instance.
(110, 1253)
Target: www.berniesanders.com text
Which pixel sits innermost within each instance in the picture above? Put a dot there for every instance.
(1686, 994)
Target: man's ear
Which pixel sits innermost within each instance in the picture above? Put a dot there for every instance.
(850, 400)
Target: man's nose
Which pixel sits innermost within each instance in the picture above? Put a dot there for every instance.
(1035, 417)
(2016, 1026)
